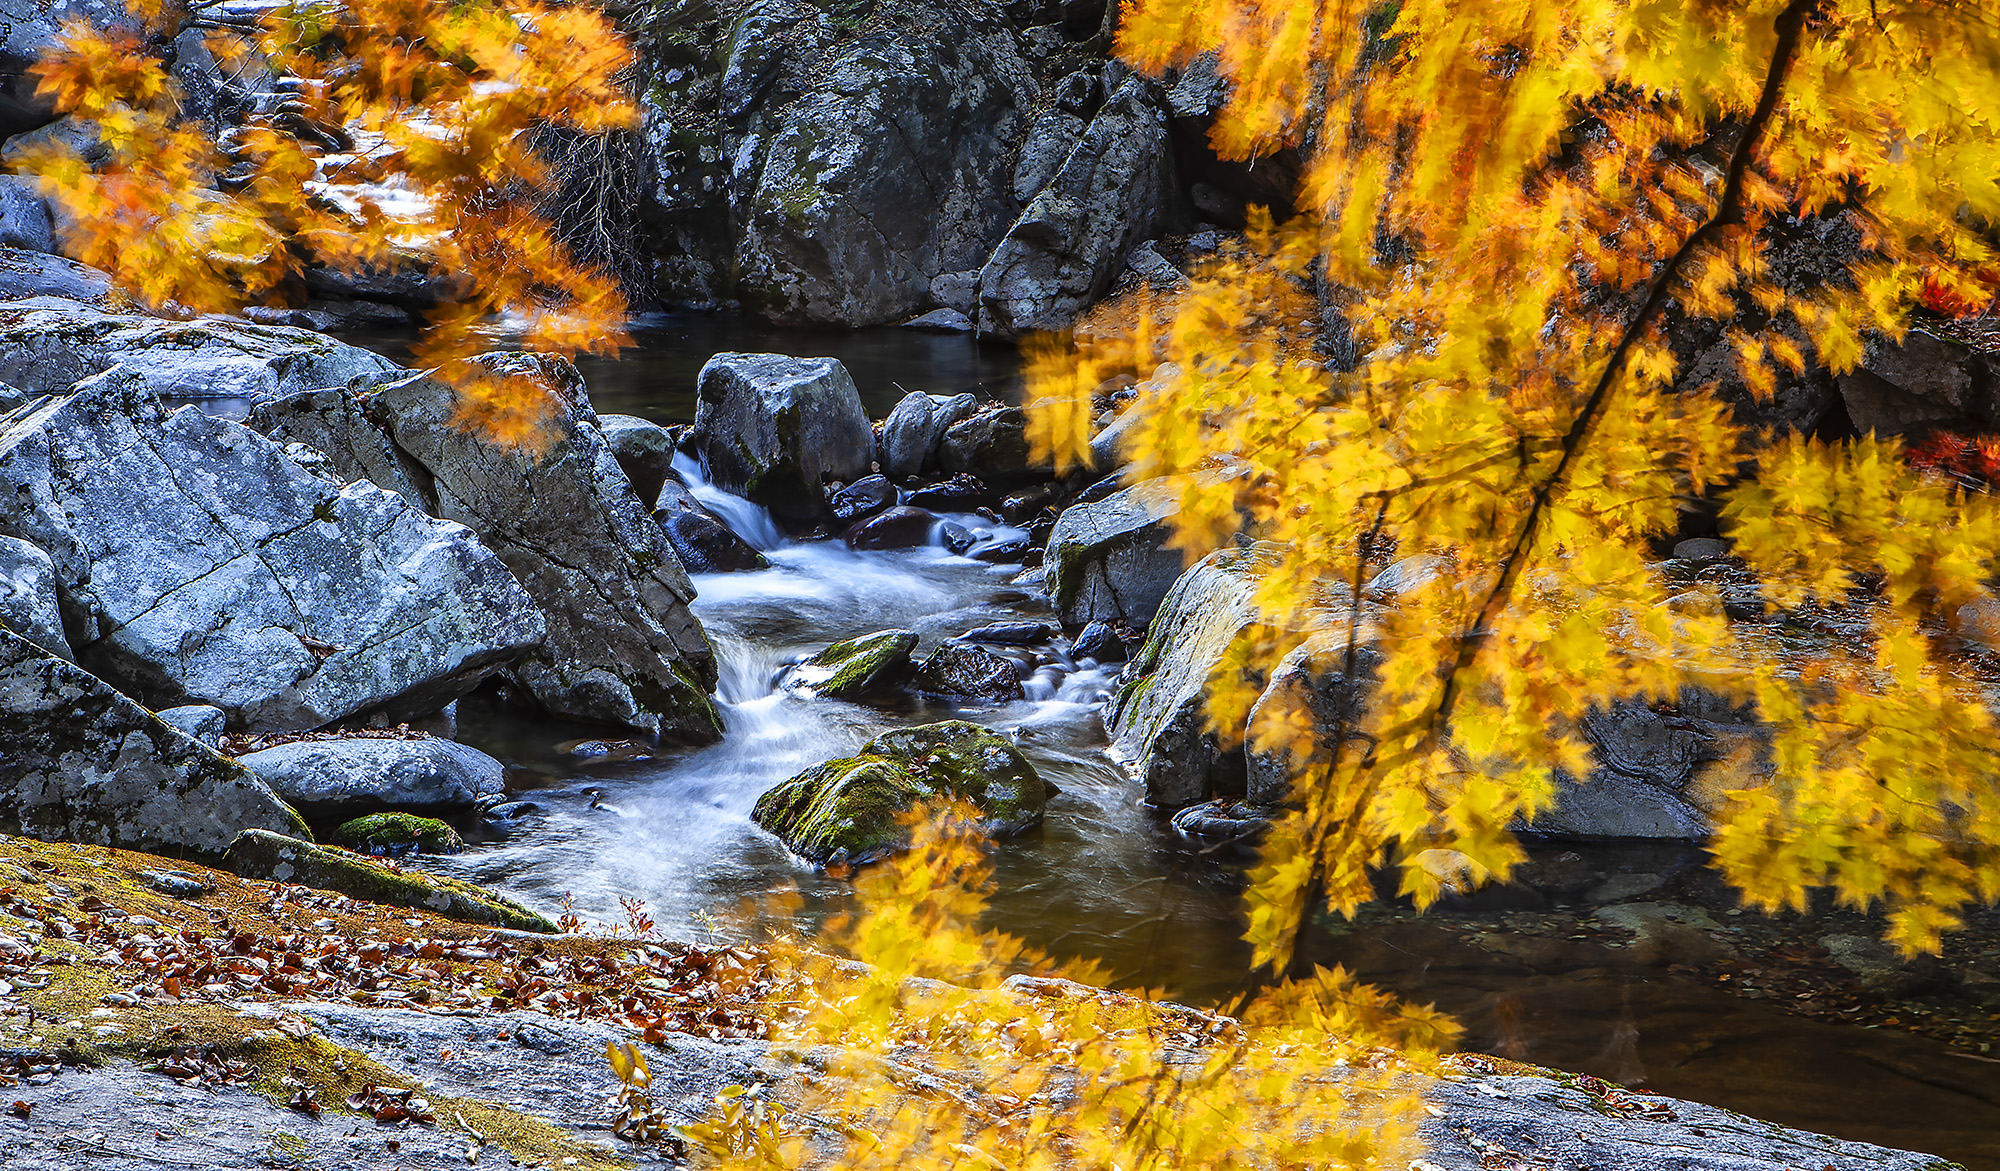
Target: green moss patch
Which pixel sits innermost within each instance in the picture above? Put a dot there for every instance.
(399, 833)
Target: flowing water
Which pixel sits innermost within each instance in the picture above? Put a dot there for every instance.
(1104, 877)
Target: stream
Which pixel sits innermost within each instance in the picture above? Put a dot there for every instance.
(1550, 981)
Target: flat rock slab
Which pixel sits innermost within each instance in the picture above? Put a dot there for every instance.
(197, 563)
(1513, 1121)
(121, 1116)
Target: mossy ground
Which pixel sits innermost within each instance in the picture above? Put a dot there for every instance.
(399, 832)
(78, 1003)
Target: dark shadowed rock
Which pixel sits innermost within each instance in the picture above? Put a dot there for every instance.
(1108, 559)
(25, 220)
(37, 274)
(81, 763)
(901, 527)
(970, 671)
(704, 543)
(863, 498)
(196, 563)
(1113, 190)
(964, 492)
(1099, 641)
(644, 450)
(994, 445)
(913, 430)
(775, 429)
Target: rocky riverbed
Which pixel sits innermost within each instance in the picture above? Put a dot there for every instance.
(259, 592)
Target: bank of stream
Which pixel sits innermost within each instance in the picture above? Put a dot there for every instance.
(1616, 960)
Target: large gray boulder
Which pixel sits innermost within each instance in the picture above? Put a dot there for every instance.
(340, 779)
(1647, 765)
(1158, 718)
(81, 763)
(28, 603)
(775, 429)
(1114, 191)
(1108, 559)
(819, 175)
(914, 429)
(644, 450)
(621, 645)
(1315, 686)
(196, 563)
(25, 219)
(994, 444)
(49, 344)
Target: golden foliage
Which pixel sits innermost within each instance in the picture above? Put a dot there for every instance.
(912, 1051)
(405, 146)
(1504, 202)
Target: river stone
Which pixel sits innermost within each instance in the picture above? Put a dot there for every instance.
(1099, 641)
(856, 666)
(1309, 688)
(396, 834)
(81, 763)
(994, 445)
(197, 564)
(913, 430)
(48, 344)
(25, 273)
(28, 604)
(699, 537)
(198, 721)
(644, 450)
(1114, 190)
(963, 492)
(1158, 718)
(346, 778)
(335, 423)
(965, 670)
(863, 498)
(775, 429)
(622, 646)
(257, 854)
(849, 810)
(1108, 559)
(901, 527)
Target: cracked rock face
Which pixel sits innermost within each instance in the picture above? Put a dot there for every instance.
(196, 563)
(81, 763)
(621, 645)
(48, 344)
(28, 596)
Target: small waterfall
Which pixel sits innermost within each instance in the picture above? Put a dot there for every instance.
(746, 520)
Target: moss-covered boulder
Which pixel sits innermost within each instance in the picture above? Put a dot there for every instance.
(848, 810)
(394, 834)
(856, 666)
(274, 857)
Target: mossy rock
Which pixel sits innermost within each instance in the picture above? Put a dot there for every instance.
(848, 810)
(399, 833)
(260, 854)
(857, 666)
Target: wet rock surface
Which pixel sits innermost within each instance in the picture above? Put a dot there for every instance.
(48, 344)
(775, 429)
(849, 810)
(856, 666)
